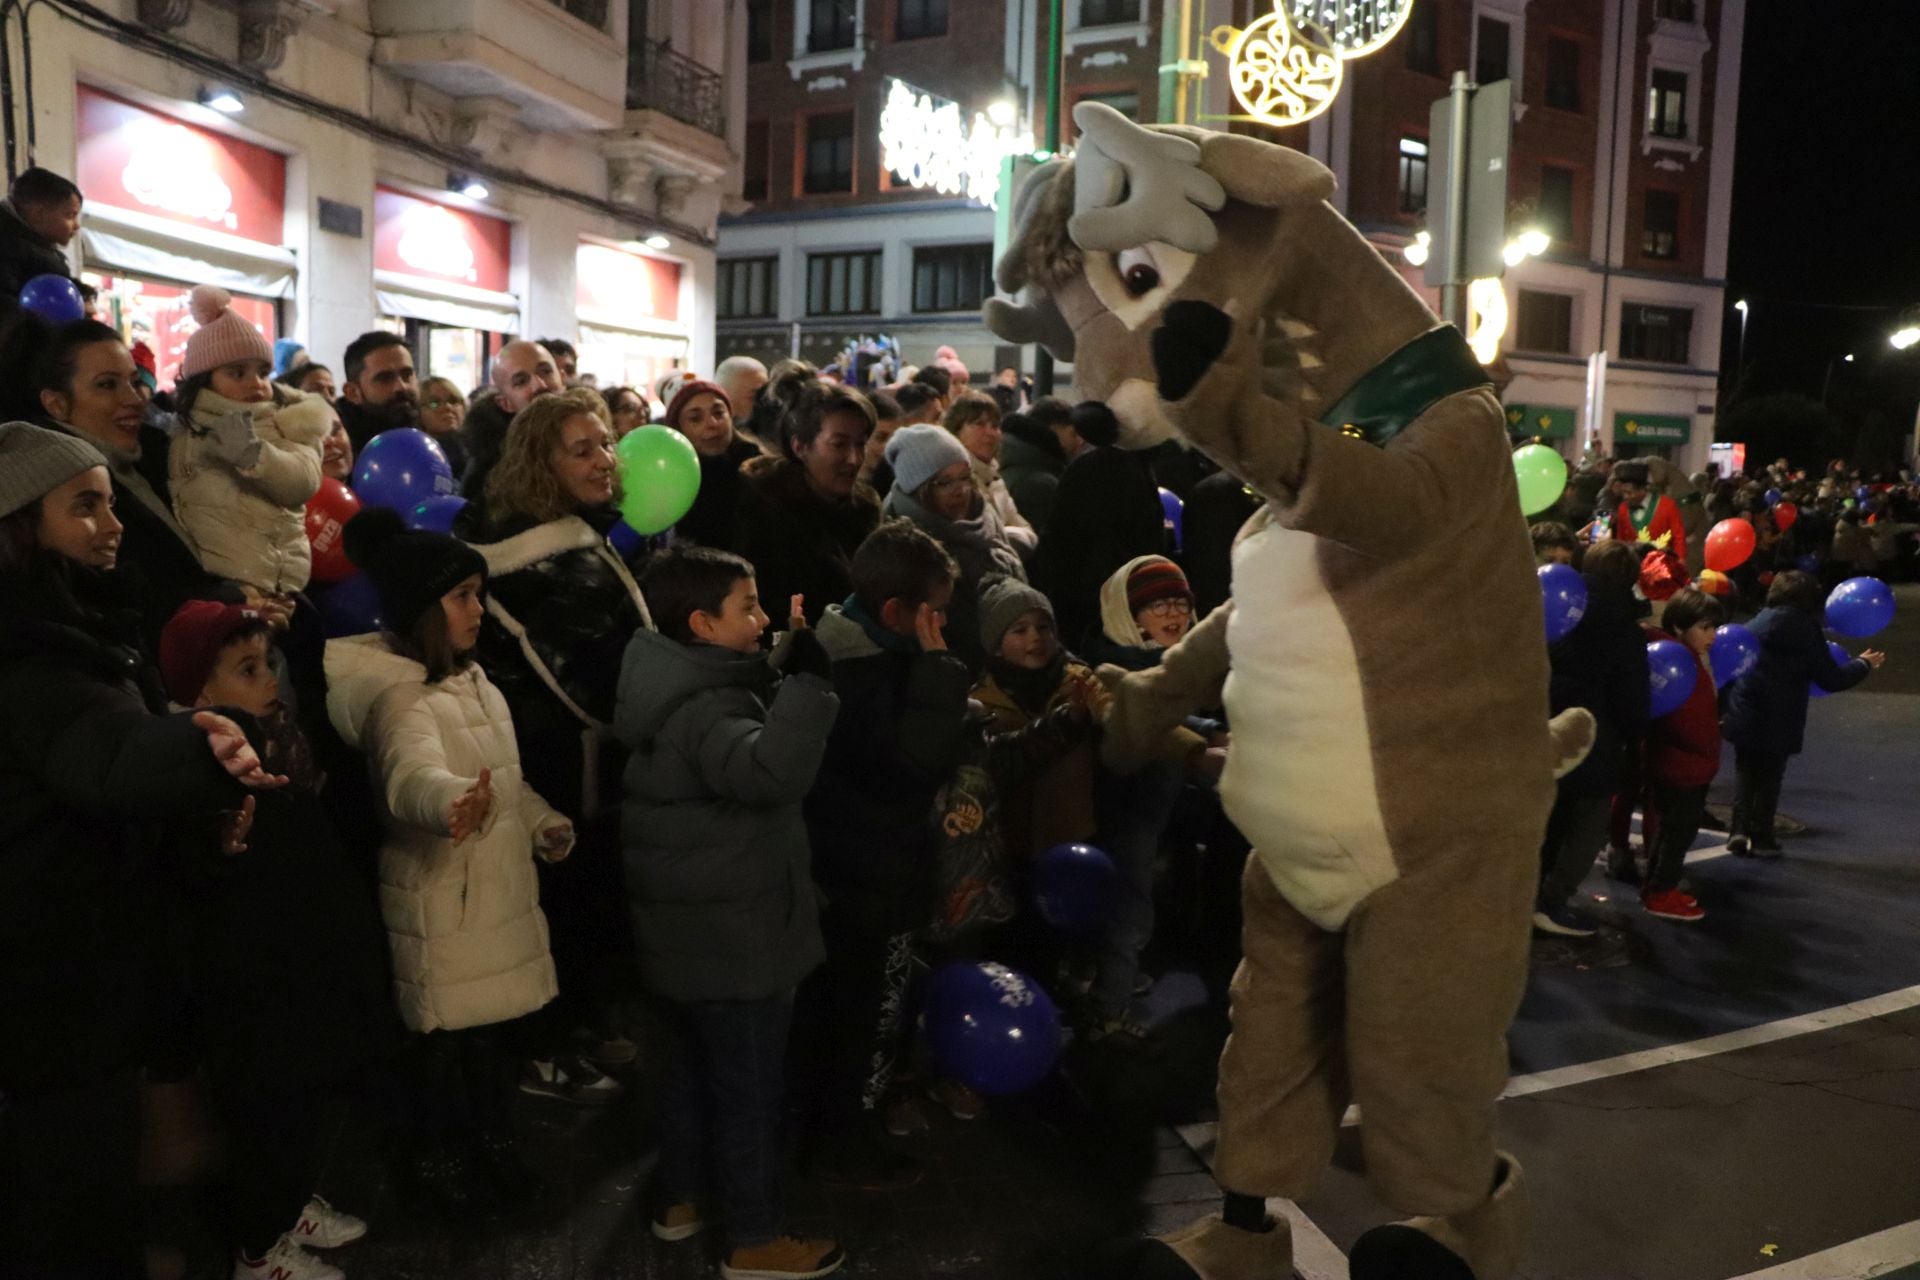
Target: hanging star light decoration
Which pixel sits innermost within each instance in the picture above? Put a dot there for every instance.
(1285, 68)
(1354, 28)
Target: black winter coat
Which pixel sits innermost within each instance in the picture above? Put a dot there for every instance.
(796, 541)
(24, 255)
(1030, 462)
(90, 773)
(710, 521)
(1217, 508)
(484, 432)
(1602, 665)
(1766, 709)
(901, 732)
(1106, 512)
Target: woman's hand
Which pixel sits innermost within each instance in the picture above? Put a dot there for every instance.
(926, 629)
(235, 754)
(797, 613)
(234, 828)
(554, 843)
(468, 813)
(1873, 658)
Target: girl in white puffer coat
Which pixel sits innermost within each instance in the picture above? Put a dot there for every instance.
(247, 455)
(458, 891)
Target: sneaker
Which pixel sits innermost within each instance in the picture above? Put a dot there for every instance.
(285, 1261)
(906, 1117)
(961, 1102)
(1562, 922)
(788, 1258)
(677, 1222)
(1739, 846)
(322, 1226)
(608, 1050)
(1672, 904)
(570, 1079)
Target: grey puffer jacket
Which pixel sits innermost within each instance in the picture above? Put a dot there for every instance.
(719, 871)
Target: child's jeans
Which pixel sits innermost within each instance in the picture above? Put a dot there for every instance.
(720, 1109)
(1756, 793)
(1134, 812)
(1680, 810)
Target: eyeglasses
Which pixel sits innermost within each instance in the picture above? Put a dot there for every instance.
(952, 484)
(1169, 608)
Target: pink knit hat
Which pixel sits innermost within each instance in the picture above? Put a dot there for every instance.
(223, 337)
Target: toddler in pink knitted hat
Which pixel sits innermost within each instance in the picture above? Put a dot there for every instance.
(247, 455)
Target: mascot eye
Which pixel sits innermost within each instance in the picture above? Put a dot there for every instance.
(1138, 274)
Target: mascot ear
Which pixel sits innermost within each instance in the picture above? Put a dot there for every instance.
(1261, 173)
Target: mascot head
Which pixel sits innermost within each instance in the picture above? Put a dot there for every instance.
(1146, 227)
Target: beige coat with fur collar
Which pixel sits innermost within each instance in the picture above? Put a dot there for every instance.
(250, 525)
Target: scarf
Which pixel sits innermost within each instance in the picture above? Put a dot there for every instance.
(978, 543)
(1031, 690)
(887, 640)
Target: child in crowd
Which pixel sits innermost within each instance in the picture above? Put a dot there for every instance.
(1766, 712)
(719, 872)
(247, 455)
(1682, 755)
(902, 731)
(457, 884)
(286, 951)
(1553, 543)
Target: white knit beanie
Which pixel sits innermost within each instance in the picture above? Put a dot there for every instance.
(223, 337)
(35, 461)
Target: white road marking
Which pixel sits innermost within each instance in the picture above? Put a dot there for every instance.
(1875, 1255)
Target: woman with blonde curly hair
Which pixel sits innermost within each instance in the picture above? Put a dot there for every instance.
(561, 606)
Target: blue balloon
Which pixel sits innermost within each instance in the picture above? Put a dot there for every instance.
(401, 469)
(1564, 593)
(1074, 886)
(1808, 563)
(436, 515)
(1860, 607)
(1735, 650)
(1862, 494)
(1174, 512)
(1841, 656)
(1672, 671)
(53, 298)
(991, 1028)
(1773, 497)
(626, 539)
(351, 608)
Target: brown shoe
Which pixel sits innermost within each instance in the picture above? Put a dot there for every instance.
(787, 1258)
(677, 1222)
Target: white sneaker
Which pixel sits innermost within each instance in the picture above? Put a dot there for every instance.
(286, 1261)
(322, 1226)
(570, 1079)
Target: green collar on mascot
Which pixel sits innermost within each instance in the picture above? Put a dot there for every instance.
(1406, 384)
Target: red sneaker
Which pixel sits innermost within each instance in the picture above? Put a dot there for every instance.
(1672, 904)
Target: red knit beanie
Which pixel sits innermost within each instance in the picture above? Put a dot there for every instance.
(1157, 579)
(192, 640)
(687, 393)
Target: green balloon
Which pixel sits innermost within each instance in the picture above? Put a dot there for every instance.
(659, 476)
(1542, 476)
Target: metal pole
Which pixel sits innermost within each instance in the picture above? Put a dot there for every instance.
(1042, 358)
(1453, 294)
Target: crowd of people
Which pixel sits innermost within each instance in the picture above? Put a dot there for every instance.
(764, 769)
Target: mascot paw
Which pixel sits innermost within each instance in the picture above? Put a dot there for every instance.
(1400, 1252)
(1205, 1250)
(1188, 342)
(1574, 731)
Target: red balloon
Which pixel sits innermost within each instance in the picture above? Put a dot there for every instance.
(1729, 543)
(1784, 514)
(327, 514)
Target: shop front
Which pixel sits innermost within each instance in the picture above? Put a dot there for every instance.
(170, 206)
(442, 279)
(1650, 435)
(1546, 423)
(628, 303)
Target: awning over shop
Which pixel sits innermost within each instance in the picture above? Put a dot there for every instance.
(143, 245)
(462, 308)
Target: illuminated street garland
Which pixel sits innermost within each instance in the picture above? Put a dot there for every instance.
(1286, 67)
(925, 141)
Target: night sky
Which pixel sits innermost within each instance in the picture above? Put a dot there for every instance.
(1826, 202)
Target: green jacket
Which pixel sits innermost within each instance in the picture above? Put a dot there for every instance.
(718, 866)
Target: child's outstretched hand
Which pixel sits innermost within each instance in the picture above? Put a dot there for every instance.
(926, 629)
(468, 813)
(797, 613)
(1873, 658)
(235, 754)
(234, 827)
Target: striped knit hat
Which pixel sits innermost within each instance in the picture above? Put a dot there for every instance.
(223, 337)
(1158, 578)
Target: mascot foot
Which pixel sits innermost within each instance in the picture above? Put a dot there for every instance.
(1573, 733)
(1484, 1243)
(1206, 1250)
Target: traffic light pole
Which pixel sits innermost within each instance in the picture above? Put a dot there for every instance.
(1453, 292)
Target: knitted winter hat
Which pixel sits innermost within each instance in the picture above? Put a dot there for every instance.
(411, 569)
(192, 640)
(1002, 601)
(288, 353)
(920, 452)
(698, 387)
(35, 461)
(223, 337)
(1157, 579)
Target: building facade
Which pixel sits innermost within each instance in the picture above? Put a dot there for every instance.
(1623, 145)
(460, 171)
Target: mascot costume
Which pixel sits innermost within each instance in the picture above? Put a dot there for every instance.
(1382, 662)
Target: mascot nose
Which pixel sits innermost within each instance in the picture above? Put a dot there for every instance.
(1096, 423)
(1193, 335)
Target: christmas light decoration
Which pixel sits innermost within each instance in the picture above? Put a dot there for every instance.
(1285, 68)
(926, 142)
(1354, 27)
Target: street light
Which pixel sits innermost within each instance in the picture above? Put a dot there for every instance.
(1740, 353)
(1904, 338)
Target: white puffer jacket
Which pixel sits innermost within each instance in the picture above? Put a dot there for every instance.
(250, 525)
(469, 942)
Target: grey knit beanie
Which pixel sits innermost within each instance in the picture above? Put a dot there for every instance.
(918, 453)
(1002, 601)
(35, 461)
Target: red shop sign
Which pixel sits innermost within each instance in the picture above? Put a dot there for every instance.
(132, 158)
(417, 237)
(619, 283)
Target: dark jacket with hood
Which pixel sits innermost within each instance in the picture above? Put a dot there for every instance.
(1031, 461)
(1766, 709)
(797, 542)
(1602, 665)
(710, 521)
(484, 432)
(91, 773)
(24, 254)
(723, 752)
(901, 733)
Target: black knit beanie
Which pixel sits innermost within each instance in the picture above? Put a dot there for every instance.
(410, 568)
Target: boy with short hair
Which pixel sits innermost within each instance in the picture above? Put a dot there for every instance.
(1553, 543)
(903, 734)
(1682, 756)
(38, 219)
(724, 748)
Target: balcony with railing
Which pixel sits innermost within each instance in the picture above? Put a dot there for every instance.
(659, 79)
(559, 62)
